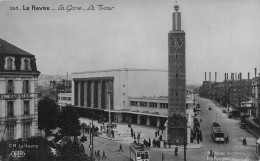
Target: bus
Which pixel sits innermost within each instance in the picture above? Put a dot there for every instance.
(217, 133)
(138, 152)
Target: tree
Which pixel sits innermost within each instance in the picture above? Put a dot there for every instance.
(71, 150)
(47, 115)
(40, 150)
(69, 122)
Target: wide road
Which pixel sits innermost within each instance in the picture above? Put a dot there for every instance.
(234, 149)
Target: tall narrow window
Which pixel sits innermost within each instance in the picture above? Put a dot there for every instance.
(26, 86)
(26, 107)
(9, 63)
(26, 64)
(10, 86)
(10, 132)
(26, 131)
(10, 108)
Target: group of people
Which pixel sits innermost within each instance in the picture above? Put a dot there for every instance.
(196, 132)
(97, 155)
(136, 136)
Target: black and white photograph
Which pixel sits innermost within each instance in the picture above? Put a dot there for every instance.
(129, 80)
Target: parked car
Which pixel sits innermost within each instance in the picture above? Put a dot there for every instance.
(224, 111)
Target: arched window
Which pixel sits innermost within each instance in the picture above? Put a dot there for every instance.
(25, 64)
(9, 63)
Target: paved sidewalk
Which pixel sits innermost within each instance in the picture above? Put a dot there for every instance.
(123, 134)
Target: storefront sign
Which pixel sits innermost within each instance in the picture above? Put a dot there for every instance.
(15, 96)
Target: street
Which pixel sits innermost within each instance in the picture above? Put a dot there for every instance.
(233, 150)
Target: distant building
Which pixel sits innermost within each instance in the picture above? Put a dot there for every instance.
(18, 97)
(63, 86)
(64, 99)
(256, 97)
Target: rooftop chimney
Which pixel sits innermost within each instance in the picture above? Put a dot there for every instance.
(240, 76)
(210, 76)
(225, 76)
(248, 75)
(205, 76)
(255, 72)
(215, 76)
(236, 76)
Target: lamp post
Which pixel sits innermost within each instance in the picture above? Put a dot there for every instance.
(109, 113)
(185, 144)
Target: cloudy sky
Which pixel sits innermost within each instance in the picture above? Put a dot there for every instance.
(221, 36)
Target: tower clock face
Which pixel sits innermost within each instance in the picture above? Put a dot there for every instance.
(176, 42)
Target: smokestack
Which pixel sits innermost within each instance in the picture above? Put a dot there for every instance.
(215, 76)
(248, 75)
(67, 76)
(227, 75)
(205, 76)
(232, 76)
(235, 76)
(255, 72)
(210, 76)
(240, 76)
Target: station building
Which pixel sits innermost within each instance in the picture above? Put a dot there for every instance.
(18, 97)
(137, 96)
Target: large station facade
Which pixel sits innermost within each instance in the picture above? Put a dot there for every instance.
(137, 96)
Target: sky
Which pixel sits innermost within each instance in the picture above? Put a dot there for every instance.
(222, 36)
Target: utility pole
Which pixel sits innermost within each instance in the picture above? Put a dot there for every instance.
(185, 144)
(109, 113)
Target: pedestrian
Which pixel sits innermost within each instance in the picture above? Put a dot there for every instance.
(170, 143)
(155, 133)
(198, 139)
(95, 153)
(176, 151)
(164, 143)
(227, 139)
(104, 155)
(149, 143)
(160, 137)
(120, 148)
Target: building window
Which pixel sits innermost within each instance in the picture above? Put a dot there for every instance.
(25, 64)
(26, 131)
(143, 104)
(163, 105)
(10, 108)
(26, 107)
(153, 104)
(10, 132)
(133, 103)
(26, 86)
(10, 86)
(9, 63)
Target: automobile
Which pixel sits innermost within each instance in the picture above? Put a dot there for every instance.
(243, 125)
(230, 115)
(224, 111)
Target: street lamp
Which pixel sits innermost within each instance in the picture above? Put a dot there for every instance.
(109, 113)
(185, 144)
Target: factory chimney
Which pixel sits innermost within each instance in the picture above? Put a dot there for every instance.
(215, 76)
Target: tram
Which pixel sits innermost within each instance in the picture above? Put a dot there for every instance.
(138, 152)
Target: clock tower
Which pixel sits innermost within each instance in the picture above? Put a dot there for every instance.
(177, 122)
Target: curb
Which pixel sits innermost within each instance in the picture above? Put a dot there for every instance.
(257, 155)
(252, 132)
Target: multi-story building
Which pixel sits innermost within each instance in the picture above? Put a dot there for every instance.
(256, 97)
(18, 98)
(64, 99)
(132, 95)
(63, 86)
